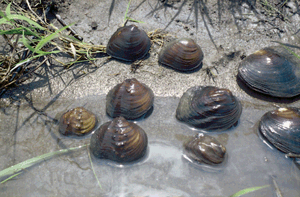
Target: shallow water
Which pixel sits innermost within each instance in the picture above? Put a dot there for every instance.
(25, 133)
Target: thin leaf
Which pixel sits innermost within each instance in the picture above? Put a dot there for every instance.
(4, 19)
(125, 18)
(12, 176)
(31, 22)
(93, 168)
(18, 30)
(248, 190)
(49, 38)
(24, 40)
(7, 10)
(297, 56)
(133, 20)
(30, 162)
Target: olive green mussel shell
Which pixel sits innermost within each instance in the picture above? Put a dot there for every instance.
(120, 141)
(273, 71)
(205, 149)
(130, 99)
(77, 121)
(182, 54)
(209, 108)
(281, 128)
(128, 43)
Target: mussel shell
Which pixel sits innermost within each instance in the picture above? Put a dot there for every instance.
(182, 54)
(281, 128)
(205, 149)
(273, 71)
(209, 108)
(77, 121)
(119, 140)
(130, 99)
(128, 43)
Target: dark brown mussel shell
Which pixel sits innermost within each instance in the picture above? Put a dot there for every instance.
(273, 71)
(209, 108)
(77, 121)
(120, 141)
(281, 128)
(130, 99)
(205, 149)
(182, 54)
(128, 43)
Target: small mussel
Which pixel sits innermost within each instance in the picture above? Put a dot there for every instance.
(130, 99)
(209, 108)
(205, 149)
(182, 54)
(128, 43)
(120, 141)
(281, 128)
(273, 71)
(77, 121)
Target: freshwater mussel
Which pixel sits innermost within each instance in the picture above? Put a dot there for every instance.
(281, 128)
(120, 141)
(182, 54)
(128, 43)
(273, 71)
(77, 121)
(209, 108)
(205, 149)
(130, 99)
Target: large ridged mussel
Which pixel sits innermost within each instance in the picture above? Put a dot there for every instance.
(273, 71)
(205, 149)
(119, 140)
(209, 108)
(281, 128)
(77, 121)
(128, 43)
(182, 54)
(130, 99)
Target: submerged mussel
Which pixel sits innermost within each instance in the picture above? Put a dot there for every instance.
(209, 108)
(281, 128)
(130, 99)
(205, 149)
(273, 71)
(182, 54)
(128, 43)
(120, 141)
(77, 121)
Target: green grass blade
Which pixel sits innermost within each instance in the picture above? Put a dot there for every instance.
(4, 19)
(248, 190)
(24, 40)
(12, 176)
(125, 18)
(7, 10)
(133, 20)
(297, 56)
(30, 162)
(93, 168)
(20, 17)
(18, 30)
(49, 38)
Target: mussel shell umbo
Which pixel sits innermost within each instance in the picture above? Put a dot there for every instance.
(119, 140)
(273, 71)
(77, 121)
(209, 108)
(130, 99)
(182, 54)
(128, 43)
(281, 128)
(205, 149)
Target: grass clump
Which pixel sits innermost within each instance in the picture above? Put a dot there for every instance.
(31, 38)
